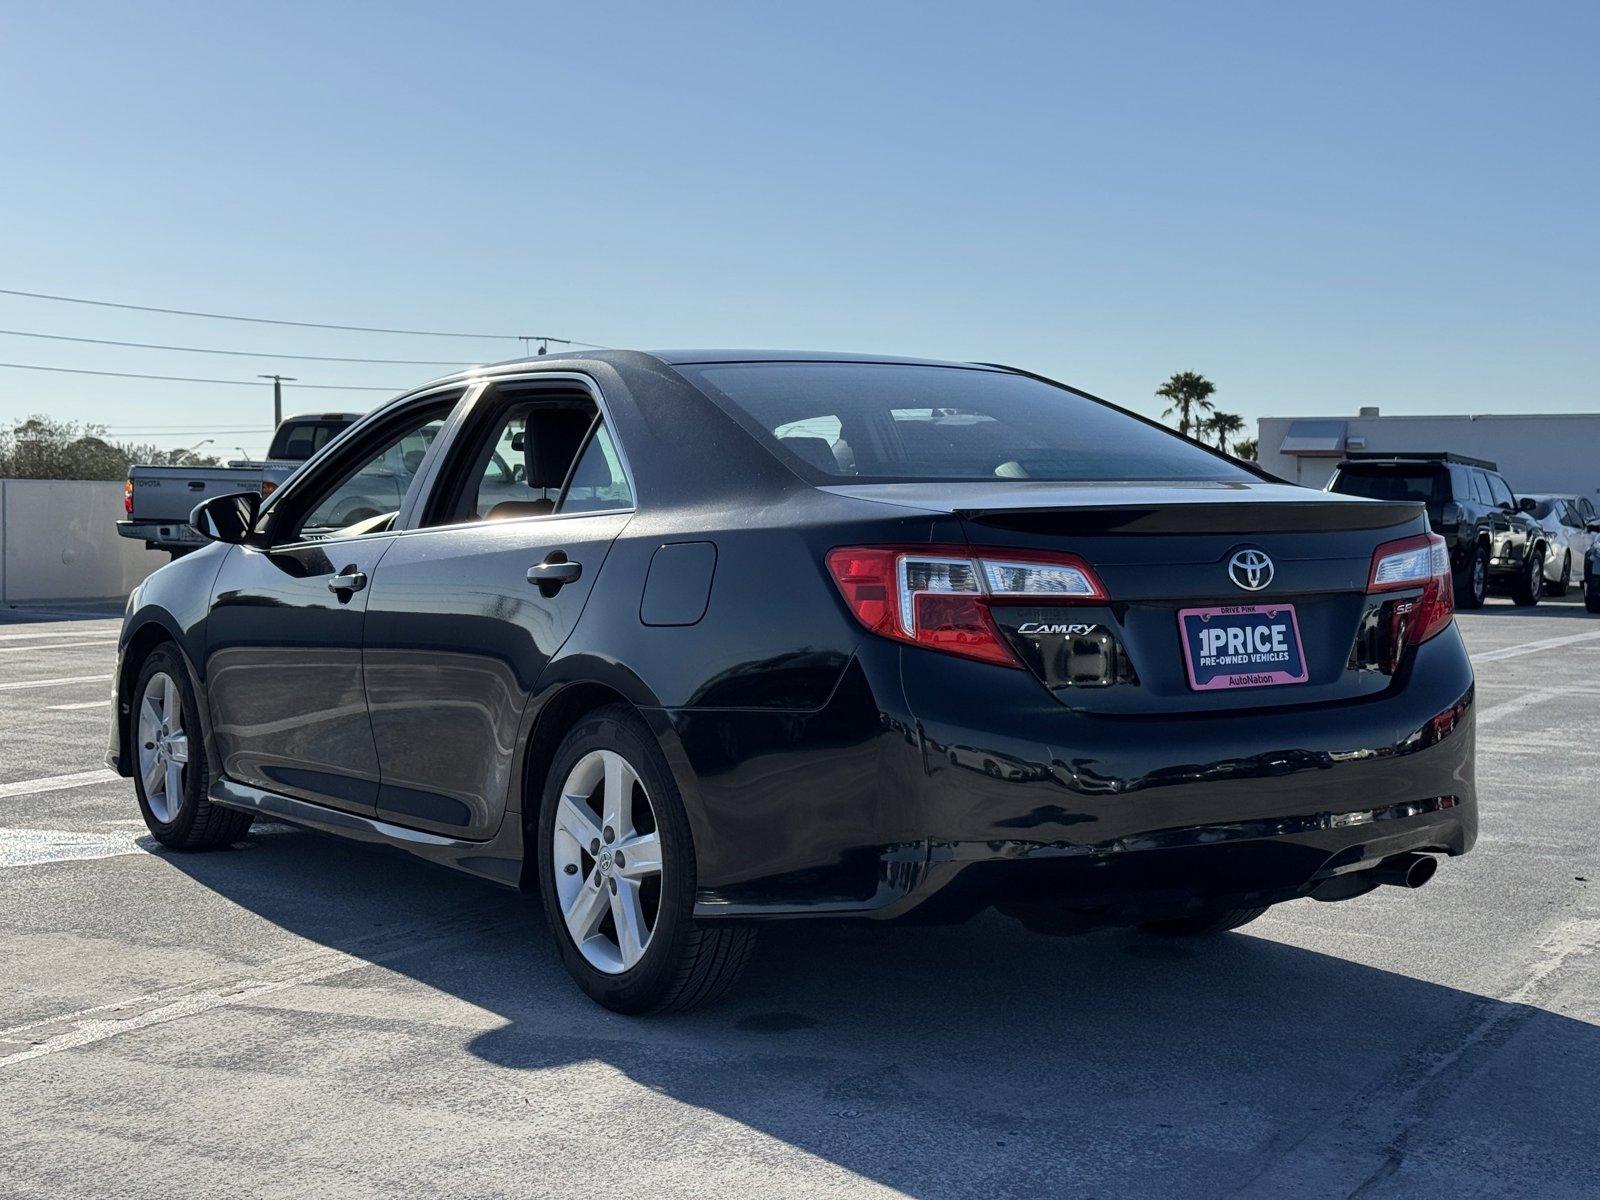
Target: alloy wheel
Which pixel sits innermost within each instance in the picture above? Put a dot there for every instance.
(163, 747)
(606, 854)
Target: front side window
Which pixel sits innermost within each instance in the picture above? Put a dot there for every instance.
(366, 497)
(882, 422)
(1499, 493)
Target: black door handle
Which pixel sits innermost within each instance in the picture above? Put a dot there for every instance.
(554, 573)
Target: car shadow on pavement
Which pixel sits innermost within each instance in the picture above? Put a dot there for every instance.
(980, 1059)
(1570, 605)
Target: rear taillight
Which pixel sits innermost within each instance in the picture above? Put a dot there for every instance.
(127, 497)
(939, 596)
(1416, 562)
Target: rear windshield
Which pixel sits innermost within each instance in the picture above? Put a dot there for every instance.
(1422, 485)
(299, 440)
(875, 422)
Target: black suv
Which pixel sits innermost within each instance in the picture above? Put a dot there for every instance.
(1493, 542)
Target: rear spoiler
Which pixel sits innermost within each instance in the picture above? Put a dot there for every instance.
(1308, 516)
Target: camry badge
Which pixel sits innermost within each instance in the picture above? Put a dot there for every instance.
(1250, 569)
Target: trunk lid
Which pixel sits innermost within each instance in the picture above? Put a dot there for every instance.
(1163, 548)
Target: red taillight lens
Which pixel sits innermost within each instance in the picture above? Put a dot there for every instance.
(127, 497)
(1422, 562)
(939, 596)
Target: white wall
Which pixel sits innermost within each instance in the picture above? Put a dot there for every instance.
(59, 543)
(1551, 452)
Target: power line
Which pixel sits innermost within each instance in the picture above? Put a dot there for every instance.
(321, 387)
(398, 362)
(185, 312)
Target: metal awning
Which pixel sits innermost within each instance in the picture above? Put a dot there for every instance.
(1314, 438)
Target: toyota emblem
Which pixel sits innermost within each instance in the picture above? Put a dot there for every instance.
(1250, 569)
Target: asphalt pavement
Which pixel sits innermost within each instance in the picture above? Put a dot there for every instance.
(305, 1016)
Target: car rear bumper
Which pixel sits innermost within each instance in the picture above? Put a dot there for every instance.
(985, 790)
(162, 533)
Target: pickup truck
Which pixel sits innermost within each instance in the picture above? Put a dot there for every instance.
(158, 500)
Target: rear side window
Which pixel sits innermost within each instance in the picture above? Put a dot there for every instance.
(878, 422)
(597, 483)
(1421, 485)
(297, 441)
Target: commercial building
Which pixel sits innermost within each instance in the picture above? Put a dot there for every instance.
(1540, 452)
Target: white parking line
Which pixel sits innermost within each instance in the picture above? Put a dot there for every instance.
(75, 707)
(1506, 652)
(45, 634)
(39, 683)
(56, 646)
(55, 783)
(36, 847)
(70, 1031)
(1493, 712)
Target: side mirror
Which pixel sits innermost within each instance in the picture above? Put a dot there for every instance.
(230, 518)
(1593, 526)
(1527, 504)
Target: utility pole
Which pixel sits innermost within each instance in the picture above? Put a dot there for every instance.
(277, 396)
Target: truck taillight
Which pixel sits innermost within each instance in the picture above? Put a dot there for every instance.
(1421, 562)
(940, 596)
(127, 497)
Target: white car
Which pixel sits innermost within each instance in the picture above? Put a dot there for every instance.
(1565, 520)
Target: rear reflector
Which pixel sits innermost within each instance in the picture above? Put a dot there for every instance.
(127, 497)
(1416, 562)
(939, 596)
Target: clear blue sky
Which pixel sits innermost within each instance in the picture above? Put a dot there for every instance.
(1316, 206)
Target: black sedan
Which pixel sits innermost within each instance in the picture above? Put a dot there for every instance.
(690, 640)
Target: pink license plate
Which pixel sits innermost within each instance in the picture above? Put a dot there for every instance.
(1241, 646)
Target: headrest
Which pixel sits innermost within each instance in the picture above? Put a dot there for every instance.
(551, 443)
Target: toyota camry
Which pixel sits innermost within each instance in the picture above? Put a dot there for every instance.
(690, 640)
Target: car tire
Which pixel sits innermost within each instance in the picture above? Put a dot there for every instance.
(171, 774)
(1561, 586)
(1530, 584)
(1591, 601)
(1204, 924)
(583, 844)
(1474, 584)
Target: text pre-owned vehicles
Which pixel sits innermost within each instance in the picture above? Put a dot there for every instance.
(1492, 541)
(158, 500)
(759, 635)
(1565, 521)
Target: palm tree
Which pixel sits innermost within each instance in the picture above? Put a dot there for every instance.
(1190, 394)
(1246, 448)
(1222, 426)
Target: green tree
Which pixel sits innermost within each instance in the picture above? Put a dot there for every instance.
(1247, 449)
(1189, 394)
(1222, 426)
(41, 447)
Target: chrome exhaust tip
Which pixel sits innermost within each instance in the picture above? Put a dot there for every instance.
(1409, 870)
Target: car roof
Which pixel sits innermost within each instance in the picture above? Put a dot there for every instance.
(695, 357)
